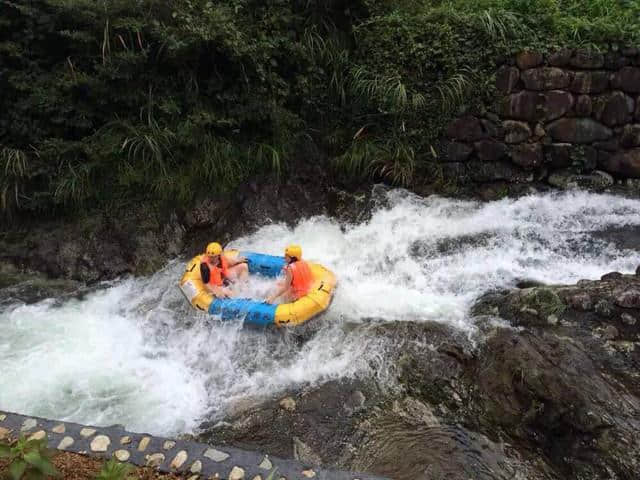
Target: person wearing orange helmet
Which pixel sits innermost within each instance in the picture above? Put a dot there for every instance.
(218, 270)
(298, 276)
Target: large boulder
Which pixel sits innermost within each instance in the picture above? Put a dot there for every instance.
(506, 79)
(483, 172)
(529, 59)
(556, 103)
(527, 155)
(558, 155)
(614, 109)
(525, 105)
(560, 58)
(578, 130)
(589, 82)
(545, 78)
(627, 79)
(630, 136)
(490, 150)
(625, 164)
(565, 179)
(615, 60)
(456, 152)
(467, 129)
(584, 106)
(587, 59)
(516, 132)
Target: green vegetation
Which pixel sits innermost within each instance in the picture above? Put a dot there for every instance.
(114, 470)
(28, 459)
(105, 101)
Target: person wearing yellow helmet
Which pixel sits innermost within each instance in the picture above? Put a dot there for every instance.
(218, 270)
(298, 276)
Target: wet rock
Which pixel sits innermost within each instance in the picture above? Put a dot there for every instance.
(589, 82)
(578, 130)
(168, 444)
(457, 152)
(528, 59)
(610, 332)
(527, 155)
(125, 440)
(630, 136)
(468, 129)
(4, 433)
(611, 145)
(507, 78)
(636, 115)
(516, 132)
(492, 171)
(627, 319)
(604, 308)
(560, 58)
(630, 51)
(581, 302)
(309, 473)
(584, 107)
(611, 276)
(492, 126)
(614, 109)
(545, 78)
(288, 404)
(587, 59)
(558, 155)
(39, 435)
(539, 131)
(525, 105)
(59, 428)
(627, 79)
(629, 299)
(490, 150)
(556, 103)
(626, 163)
(566, 179)
(615, 61)
(355, 402)
(303, 453)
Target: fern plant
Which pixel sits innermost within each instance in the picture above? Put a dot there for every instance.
(28, 459)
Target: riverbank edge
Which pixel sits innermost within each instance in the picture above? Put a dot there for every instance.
(193, 459)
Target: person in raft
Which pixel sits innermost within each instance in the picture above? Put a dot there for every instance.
(298, 276)
(218, 271)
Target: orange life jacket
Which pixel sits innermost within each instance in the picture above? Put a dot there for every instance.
(301, 278)
(217, 273)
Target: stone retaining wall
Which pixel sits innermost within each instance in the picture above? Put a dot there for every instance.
(572, 116)
(194, 460)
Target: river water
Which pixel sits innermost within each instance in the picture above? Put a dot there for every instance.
(133, 352)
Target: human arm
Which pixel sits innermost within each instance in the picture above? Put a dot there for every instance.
(283, 287)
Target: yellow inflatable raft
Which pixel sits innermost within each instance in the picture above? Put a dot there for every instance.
(254, 312)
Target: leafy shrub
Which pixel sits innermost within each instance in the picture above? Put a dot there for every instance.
(28, 459)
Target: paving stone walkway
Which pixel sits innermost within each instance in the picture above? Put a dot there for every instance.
(197, 461)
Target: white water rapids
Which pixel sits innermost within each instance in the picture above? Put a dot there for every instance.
(134, 353)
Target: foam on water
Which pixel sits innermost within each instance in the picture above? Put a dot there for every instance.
(134, 353)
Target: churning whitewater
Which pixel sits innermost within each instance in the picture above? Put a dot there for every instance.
(134, 353)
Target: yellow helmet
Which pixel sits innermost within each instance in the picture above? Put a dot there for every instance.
(294, 251)
(214, 248)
